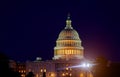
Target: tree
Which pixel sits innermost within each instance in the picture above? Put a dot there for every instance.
(5, 70)
(44, 74)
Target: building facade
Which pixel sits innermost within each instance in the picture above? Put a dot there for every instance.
(21, 68)
(68, 55)
(18, 67)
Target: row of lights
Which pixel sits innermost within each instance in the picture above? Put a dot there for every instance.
(84, 65)
(22, 71)
(43, 70)
(69, 52)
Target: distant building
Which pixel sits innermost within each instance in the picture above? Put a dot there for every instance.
(68, 55)
(18, 67)
(21, 68)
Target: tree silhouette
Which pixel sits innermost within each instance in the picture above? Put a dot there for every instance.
(114, 70)
(104, 68)
(5, 70)
(44, 74)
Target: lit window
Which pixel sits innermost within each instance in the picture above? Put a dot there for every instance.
(21, 71)
(44, 70)
(52, 75)
(63, 74)
(67, 68)
(81, 75)
(24, 71)
(63, 51)
(70, 74)
(41, 70)
(36, 75)
(23, 75)
(70, 51)
(67, 51)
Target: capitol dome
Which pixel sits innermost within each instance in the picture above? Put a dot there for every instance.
(68, 45)
(68, 34)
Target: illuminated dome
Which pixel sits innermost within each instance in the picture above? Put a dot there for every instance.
(68, 34)
(68, 44)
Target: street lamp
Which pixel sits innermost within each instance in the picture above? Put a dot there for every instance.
(86, 66)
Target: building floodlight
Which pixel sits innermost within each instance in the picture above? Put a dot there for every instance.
(86, 65)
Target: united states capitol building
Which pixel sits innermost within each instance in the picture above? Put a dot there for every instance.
(68, 57)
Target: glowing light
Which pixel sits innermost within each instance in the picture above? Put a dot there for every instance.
(86, 65)
(23, 75)
(91, 75)
(83, 65)
(44, 70)
(41, 70)
(24, 71)
(81, 75)
(63, 74)
(21, 71)
(52, 74)
(66, 68)
(36, 75)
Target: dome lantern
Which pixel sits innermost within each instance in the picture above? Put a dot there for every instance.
(68, 23)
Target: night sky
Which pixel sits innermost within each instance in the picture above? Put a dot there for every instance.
(30, 28)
